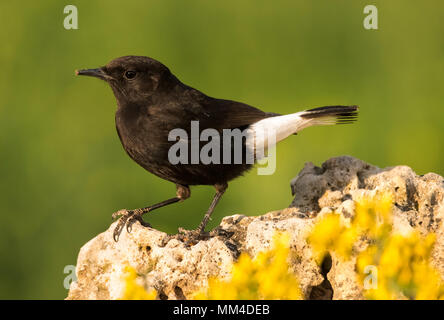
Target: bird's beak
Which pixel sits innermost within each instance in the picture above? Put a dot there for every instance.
(98, 73)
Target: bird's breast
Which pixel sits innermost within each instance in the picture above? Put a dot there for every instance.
(142, 138)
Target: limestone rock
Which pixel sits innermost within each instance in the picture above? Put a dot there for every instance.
(176, 271)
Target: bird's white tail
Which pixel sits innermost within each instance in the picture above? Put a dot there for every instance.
(267, 132)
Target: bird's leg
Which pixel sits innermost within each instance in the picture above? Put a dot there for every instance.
(129, 217)
(220, 190)
(193, 235)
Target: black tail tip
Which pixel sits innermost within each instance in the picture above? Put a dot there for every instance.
(332, 109)
(349, 115)
(343, 114)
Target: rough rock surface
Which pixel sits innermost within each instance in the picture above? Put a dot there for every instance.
(176, 271)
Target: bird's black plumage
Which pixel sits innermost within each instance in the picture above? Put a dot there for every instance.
(151, 102)
(156, 102)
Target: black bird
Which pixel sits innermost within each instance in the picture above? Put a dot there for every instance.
(151, 102)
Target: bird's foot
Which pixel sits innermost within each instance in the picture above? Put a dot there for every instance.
(222, 233)
(127, 218)
(191, 237)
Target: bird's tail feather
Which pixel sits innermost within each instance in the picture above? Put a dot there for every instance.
(331, 115)
(286, 125)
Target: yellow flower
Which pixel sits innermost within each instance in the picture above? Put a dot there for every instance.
(134, 291)
(264, 277)
(325, 234)
(400, 262)
(373, 215)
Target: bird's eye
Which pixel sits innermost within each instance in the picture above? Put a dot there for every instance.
(130, 74)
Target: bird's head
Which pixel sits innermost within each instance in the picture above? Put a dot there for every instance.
(133, 79)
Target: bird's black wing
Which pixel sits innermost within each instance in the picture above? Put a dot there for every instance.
(226, 114)
(187, 105)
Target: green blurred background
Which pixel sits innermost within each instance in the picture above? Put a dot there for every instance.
(63, 170)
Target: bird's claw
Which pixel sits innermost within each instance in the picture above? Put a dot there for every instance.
(120, 213)
(127, 218)
(119, 228)
(136, 217)
(219, 232)
(191, 237)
